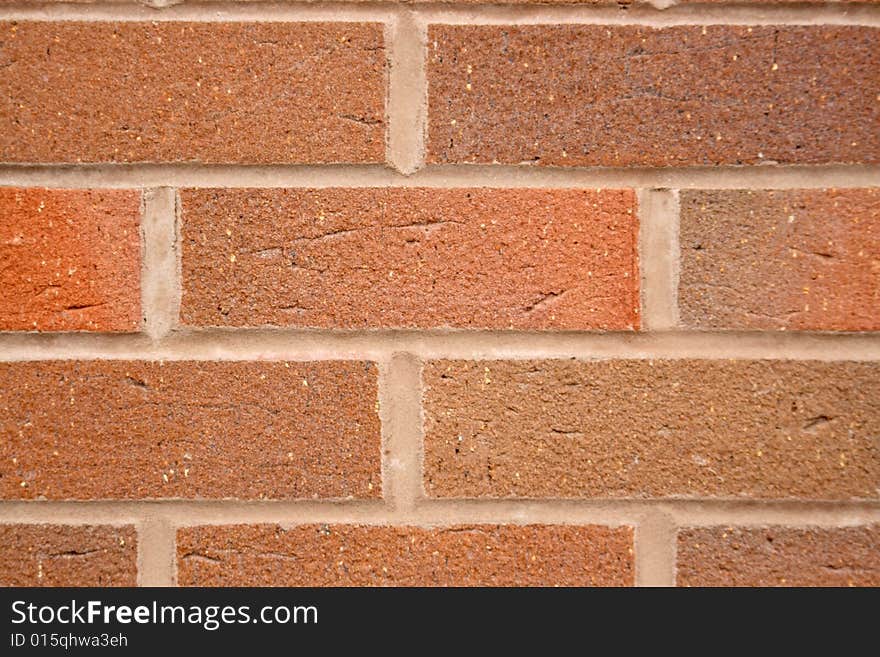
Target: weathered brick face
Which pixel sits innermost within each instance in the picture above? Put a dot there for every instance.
(406, 258)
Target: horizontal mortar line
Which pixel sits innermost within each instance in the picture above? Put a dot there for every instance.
(447, 512)
(461, 13)
(649, 16)
(305, 345)
(767, 176)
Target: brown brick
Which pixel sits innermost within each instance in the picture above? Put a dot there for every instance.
(632, 95)
(617, 429)
(350, 555)
(67, 555)
(134, 429)
(407, 257)
(779, 556)
(205, 92)
(70, 260)
(792, 259)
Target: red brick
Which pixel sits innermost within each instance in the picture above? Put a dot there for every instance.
(640, 428)
(406, 257)
(792, 259)
(67, 555)
(640, 96)
(351, 555)
(71, 260)
(188, 91)
(181, 429)
(779, 556)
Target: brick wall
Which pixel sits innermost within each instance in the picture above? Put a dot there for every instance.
(440, 293)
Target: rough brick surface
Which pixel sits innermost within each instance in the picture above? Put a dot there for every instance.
(66, 555)
(791, 259)
(207, 92)
(779, 556)
(690, 428)
(69, 260)
(630, 95)
(116, 429)
(345, 555)
(404, 257)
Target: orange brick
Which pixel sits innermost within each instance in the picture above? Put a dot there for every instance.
(350, 555)
(67, 555)
(70, 260)
(411, 258)
(184, 429)
(779, 556)
(189, 91)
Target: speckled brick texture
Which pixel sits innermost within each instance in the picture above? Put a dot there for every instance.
(630, 428)
(192, 92)
(779, 556)
(606, 95)
(489, 293)
(183, 429)
(69, 260)
(67, 555)
(411, 258)
(780, 260)
(350, 555)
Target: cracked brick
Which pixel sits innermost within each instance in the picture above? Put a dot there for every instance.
(69, 260)
(410, 258)
(356, 555)
(67, 555)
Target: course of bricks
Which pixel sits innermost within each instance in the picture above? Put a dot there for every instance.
(428, 293)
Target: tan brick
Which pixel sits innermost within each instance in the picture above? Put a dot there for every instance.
(189, 91)
(607, 95)
(630, 428)
(410, 257)
(350, 555)
(790, 259)
(779, 556)
(67, 555)
(70, 260)
(134, 429)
